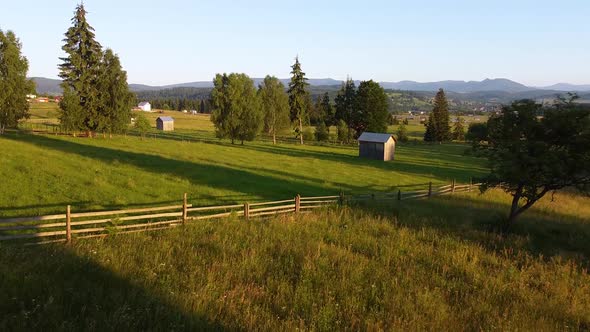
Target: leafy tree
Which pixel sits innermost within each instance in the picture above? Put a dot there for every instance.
(406, 122)
(275, 106)
(308, 134)
(142, 124)
(298, 98)
(344, 103)
(14, 85)
(402, 133)
(117, 100)
(459, 129)
(80, 72)
(531, 156)
(237, 113)
(370, 111)
(477, 134)
(342, 130)
(322, 133)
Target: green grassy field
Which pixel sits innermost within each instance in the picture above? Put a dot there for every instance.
(432, 264)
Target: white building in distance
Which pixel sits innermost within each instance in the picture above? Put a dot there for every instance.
(145, 106)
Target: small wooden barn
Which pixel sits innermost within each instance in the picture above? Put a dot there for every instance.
(377, 146)
(165, 123)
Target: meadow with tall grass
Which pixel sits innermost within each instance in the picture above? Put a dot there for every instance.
(432, 264)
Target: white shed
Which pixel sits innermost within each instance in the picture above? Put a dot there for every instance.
(145, 106)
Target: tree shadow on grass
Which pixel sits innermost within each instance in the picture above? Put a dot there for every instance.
(445, 163)
(216, 176)
(48, 288)
(549, 234)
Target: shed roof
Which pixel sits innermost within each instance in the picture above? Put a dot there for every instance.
(143, 103)
(375, 137)
(165, 118)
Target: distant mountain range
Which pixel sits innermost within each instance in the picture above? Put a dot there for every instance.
(51, 86)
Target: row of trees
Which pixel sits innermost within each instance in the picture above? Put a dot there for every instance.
(239, 112)
(96, 96)
(200, 105)
(14, 85)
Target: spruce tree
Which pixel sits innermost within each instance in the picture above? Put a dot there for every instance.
(344, 104)
(275, 106)
(14, 85)
(116, 99)
(298, 98)
(441, 117)
(430, 134)
(80, 74)
(327, 110)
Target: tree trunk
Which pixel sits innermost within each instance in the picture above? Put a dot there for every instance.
(300, 131)
(513, 210)
(274, 138)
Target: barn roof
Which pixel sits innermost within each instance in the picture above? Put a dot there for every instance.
(165, 118)
(374, 137)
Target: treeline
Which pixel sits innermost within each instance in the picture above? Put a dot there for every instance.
(240, 110)
(199, 105)
(96, 96)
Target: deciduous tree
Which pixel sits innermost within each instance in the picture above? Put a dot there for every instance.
(531, 156)
(237, 113)
(275, 106)
(14, 85)
(370, 108)
(459, 129)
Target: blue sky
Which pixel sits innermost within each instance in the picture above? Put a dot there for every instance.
(164, 42)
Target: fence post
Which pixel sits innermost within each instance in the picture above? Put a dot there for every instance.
(68, 225)
(341, 199)
(429, 188)
(453, 186)
(246, 211)
(399, 195)
(297, 203)
(184, 209)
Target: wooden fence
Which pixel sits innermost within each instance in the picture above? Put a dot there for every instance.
(63, 227)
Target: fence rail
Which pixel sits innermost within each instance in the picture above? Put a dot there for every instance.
(62, 227)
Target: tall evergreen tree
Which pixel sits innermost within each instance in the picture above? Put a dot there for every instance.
(430, 133)
(80, 73)
(459, 129)
(275, 106)
(116, 99)
(345, 103)
(14, 85)
(441, 117)
(237, 113)
(298, 98)
(327, 110)
(370, 111)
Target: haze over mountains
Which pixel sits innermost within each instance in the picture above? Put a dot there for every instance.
(51, 86)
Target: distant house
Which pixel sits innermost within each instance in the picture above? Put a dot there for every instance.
(377, 146)
(145, 106)
(165, 123)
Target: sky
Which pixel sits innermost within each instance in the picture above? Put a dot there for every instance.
(537, 43)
